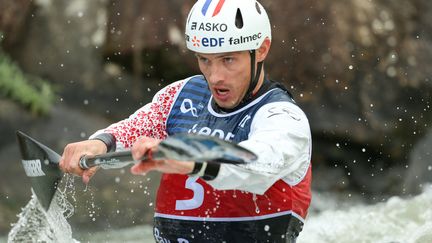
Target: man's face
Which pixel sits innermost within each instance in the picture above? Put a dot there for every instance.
(228, 76)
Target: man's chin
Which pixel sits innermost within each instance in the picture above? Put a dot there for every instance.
(226, 105)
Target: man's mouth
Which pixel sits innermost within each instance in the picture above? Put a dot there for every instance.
(221, 92)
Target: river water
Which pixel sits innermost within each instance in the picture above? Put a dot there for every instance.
(396, 220)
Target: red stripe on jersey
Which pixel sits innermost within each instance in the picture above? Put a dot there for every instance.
(280, 197)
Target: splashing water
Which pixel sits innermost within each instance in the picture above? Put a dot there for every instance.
(397, 220)
(37, 225)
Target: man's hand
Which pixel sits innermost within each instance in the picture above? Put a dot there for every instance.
(69, 162)
(144, 146)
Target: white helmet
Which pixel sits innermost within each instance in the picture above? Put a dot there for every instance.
(215, 26)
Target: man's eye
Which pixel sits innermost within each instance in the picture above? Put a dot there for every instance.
(228, 59)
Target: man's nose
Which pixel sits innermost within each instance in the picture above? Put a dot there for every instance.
(215, 74)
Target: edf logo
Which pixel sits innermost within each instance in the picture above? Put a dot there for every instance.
(208, 42)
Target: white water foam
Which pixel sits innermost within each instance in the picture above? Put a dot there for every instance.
(37, 225)
(397, 221)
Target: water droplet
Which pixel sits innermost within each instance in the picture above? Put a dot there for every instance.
(254, 199)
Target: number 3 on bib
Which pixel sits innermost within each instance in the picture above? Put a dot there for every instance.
(198, 195)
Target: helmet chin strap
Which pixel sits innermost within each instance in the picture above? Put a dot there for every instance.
(254, 77)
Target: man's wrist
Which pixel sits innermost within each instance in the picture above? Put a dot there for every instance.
(206, 171)
(108, 139)
(197, 167)
(211, 171)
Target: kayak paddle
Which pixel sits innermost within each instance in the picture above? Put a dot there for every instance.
(41, 163)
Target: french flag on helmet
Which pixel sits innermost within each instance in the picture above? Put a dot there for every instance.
(216, 10)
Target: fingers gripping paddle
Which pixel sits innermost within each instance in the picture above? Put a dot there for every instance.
(41, 163)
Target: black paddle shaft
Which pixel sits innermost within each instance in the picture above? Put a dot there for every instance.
(185, 147)
(116, 159)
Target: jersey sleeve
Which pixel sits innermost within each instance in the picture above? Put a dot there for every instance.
(280, 136)
(149, 120)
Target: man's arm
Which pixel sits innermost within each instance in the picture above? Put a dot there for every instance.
(280, 136)
(149, 121)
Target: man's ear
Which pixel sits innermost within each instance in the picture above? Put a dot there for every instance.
(261, 53)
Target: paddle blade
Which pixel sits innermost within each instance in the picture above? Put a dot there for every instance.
(200, 148)
(41, 165)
